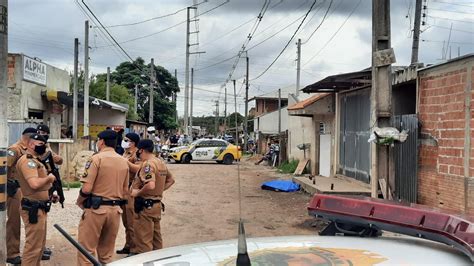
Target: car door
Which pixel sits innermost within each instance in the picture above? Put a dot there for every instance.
(203, 151)
(218, 147)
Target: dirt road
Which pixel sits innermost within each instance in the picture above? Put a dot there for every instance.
(203, 206)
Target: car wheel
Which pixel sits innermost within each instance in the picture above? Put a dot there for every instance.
(228, 159)
(186, 158)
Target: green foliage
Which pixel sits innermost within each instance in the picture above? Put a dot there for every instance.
(288, 167)
(72, 184)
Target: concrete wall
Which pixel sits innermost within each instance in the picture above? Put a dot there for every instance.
(446, 170)
(263, 106)
(268, 123)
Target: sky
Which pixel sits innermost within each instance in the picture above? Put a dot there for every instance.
(336, 38)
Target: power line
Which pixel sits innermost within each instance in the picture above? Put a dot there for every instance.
(451, 19)
(321, 23)
(466, 43)
(334, 35)
(448, 28)
(288, 43)
(454, 4)
(153, 18)
(452, 11)
(171, 27)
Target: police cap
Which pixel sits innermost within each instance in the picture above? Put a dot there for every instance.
(29, 130)
(107, 135)
(133, 137)
(146, 144)
(38, 137)
(43, 127)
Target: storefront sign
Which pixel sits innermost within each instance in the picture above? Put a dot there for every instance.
(34, 70)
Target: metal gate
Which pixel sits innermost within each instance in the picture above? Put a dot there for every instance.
(16, 128)
(406, 159)
(354, 152)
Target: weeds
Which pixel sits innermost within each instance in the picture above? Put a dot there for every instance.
(288, 167)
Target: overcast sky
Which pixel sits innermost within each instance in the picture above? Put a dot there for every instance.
(46, 29)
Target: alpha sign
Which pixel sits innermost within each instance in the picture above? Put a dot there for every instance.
(34, 70)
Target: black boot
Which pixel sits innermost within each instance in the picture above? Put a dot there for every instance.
(47, 251)
(16, 260)
(123, 251)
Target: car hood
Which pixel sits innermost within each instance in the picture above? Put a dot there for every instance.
(178, 148)
(312, 250)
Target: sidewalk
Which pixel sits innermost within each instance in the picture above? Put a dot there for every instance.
(332, 185)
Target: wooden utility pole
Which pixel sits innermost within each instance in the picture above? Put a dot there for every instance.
(152, 88)
(191, 104)
(86, 79)
(236, 116)
(217, 117)
(246, 133)
(298, 66)
(381, 91)
(416, 32)
(279, 126)
(107, 89)
(3, 125)
(175, 97)
(74, 89)
(136, 99)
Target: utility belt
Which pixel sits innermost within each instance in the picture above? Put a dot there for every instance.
(95, 202)
(141, 203)
(12, 187)
(32, 206)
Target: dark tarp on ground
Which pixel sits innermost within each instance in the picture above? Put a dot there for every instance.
(281, 185)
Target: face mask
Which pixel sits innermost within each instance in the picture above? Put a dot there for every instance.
(125, 144)
(46, 137)
(40, 149)
(97, 146)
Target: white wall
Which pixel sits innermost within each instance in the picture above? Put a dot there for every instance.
(103, 116)
(268, 123)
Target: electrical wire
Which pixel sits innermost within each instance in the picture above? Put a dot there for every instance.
(334, 35)
(452, 11)
(448, 28)
(454, 4)
(457, 20)
(288, 43)
(153, 18)
(321, 23)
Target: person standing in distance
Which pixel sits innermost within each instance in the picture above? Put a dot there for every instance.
(34, 184)
(14, 196)
(104, 188)
(147, 189)
(129, 143)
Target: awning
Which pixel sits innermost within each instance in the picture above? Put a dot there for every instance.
(337, 83)
(67, 99)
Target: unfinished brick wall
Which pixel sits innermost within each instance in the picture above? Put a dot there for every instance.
(441, 180)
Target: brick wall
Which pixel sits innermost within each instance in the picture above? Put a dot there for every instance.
(441, 180)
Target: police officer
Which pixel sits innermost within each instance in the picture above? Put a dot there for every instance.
(44, 131)
(14, 196)
(34, 184)
(104, 188)
(129, 143)
(147, 189)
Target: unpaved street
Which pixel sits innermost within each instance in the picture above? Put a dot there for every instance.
(203, 206)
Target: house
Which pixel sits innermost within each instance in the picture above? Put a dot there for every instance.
(28, 77)
(267, 115)
(341, 136)
(445, 109)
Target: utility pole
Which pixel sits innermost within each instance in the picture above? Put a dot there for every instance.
(152, 88)
(217, 117)
(279, 126)
(3, 125)
(86, 79)
(175, 97)
(416, 32)
(246, 136)
(74, 89)
(236, 122)
(136, 99)
(191, 104)
(298, 66)
(225, 109)
(188, 53)
(381, 91)
(107, 89)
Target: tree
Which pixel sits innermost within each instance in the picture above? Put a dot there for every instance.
(130, 74)
(118, 93)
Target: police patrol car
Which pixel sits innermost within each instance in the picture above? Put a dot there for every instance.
(217, 150)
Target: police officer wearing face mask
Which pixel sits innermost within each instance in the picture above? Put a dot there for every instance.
(43, 130)
(34, 184)
(104, 190)
(129, 144)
